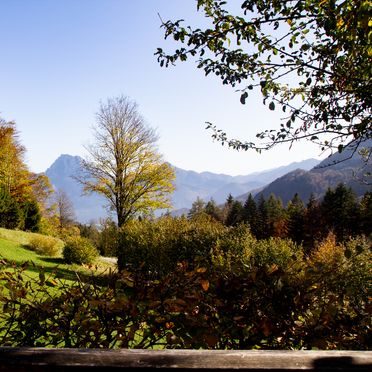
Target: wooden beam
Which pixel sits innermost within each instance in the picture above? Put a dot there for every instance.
(55, 360)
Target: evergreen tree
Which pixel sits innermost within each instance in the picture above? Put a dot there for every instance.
(235, 214)
(296, 218)
(340, 211)
(261, 230)
(10, 212)
(31, 216)
(197, 208)
(313, 225)
(227, 207)
(366, 214)
(276, 217)
(250, 213)
(213, 210)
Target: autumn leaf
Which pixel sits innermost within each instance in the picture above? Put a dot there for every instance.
(205, 284)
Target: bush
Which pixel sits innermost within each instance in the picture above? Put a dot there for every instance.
(45, 245)
(157, 246)
(79, 250)
(264, 308)
(275, 251)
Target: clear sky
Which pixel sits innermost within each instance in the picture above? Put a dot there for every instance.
(61, 58)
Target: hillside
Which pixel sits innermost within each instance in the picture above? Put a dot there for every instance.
(347, 167)
(188, 185)
(14, 248)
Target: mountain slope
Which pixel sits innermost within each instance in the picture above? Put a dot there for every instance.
(87, 207)
(338, 168)
(188, 185)
(206, 185)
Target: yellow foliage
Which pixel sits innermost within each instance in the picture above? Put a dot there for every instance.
(328, 252)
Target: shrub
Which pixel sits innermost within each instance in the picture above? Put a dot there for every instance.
(79, 250)
(263, 308)
(275, 251)
(45, 245)
(238, 251)
(157, 246)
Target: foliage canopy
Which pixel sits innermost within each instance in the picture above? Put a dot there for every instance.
(310, 58)
(124, 165)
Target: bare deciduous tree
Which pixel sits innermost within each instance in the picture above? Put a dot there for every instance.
(64, 209)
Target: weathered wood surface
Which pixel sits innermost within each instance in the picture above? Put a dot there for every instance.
(55, 360)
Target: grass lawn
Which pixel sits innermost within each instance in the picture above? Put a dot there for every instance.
(13, 248)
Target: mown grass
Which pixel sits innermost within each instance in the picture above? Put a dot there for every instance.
(14, 249)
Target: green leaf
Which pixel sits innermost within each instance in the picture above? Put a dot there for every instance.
(42, 277)
(243, 97)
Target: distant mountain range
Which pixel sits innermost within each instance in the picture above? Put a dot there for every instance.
(207, 185)
(347, 167)
(188, 186)
(306, 177)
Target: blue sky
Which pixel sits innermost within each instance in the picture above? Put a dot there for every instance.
(61, 58)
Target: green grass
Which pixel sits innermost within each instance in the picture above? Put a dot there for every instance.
(21, 237)
(13, 248)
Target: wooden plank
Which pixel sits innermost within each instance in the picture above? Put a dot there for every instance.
(55, 360)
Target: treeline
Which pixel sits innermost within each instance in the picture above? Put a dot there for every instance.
(339, 211)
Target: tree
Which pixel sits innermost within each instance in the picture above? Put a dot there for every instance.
(20, 189)
(366, 213)
(64, 209)
(340, 212)
(261, 225)
(197, 208)
(10, 212)
(313, 224)
(213, 210)
(14, 175)
(235, 214)
(311, 58)
(250, 213)
(276, 222)
(296, 218)
(124, 165)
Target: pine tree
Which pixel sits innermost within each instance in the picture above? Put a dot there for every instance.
(197, 208)
(261, 225)
(276, 217)
(313, 224)
(10, 212)
(250, 213)
(366, 214)
(31, 216)
(212, 209)
(235, 214)
(340, 211)
(296, 218)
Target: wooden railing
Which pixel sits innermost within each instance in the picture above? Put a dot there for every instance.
(56, 360)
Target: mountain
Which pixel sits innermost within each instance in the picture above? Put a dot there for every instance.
(347, 167)
(87, 207)
(188, 186)
(207, 185)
